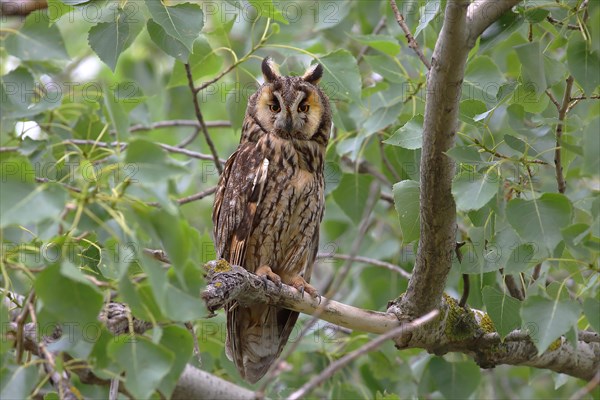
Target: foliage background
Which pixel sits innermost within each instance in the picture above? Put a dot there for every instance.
(89, 181)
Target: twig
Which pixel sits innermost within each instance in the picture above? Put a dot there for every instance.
(380, 25)
(363, 166)
(59, 380)
(412, 43)
(193, 154)
(584, 391)
(188, 199)
(21, 324)
(123, 146)
(179, 122)
(594, 97)
(557, 22)
(190, 328)
(66, 186)
(189, 139)
(505, 157)
(158, 254)
(387, 198)
(9, 149)
(562, 113)
(513, 287)
(209, 142)
(553, 99)
(367, 260)
(348, 358)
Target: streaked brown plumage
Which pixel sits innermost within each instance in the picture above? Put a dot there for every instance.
(268, 207)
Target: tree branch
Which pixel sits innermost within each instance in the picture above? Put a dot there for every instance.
(412, 43)
(562, 113)
(198, 112)
(178, 122)
(457, 329)
(348, 358)
(230, 282)
(483, 13)
(438, 210)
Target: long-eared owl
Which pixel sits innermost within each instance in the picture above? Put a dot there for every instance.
(268, 207)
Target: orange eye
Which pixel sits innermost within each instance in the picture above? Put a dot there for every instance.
(303, 108)
(275, 107)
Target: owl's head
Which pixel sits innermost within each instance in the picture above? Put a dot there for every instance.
(292, 107)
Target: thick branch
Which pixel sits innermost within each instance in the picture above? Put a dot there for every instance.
(456, 329)
(483, 13)
(239, 284)
(438, 210)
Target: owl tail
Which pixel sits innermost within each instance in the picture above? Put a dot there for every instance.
(256, 336)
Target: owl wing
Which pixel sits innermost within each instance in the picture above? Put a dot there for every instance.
(238, 195)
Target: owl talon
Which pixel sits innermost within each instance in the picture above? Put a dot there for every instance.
(267, 274)
(302, 286)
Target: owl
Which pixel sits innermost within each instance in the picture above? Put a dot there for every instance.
(269, 205)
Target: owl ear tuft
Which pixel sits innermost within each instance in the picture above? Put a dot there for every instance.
(270, 70)
(313, 74)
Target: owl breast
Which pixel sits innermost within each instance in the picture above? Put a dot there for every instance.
(285, 223)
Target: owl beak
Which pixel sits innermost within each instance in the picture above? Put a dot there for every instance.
(289, 124)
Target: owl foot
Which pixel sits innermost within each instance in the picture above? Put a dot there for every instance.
(266, 273)
(302, 286)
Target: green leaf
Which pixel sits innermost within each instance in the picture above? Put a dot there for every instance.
(24, 202)
(114, 112)
(520, 259)
(456, 380)
(591, 144)
(482, 80)
(504, 310)
(19, 96)
(385, 43)
(584, 64)
(591, 308)
(548, 319)
(473, 190)
(183, 22)
(51, 285)
(516, 144)
(144, 362)
(532, 68)
(428, 12)
(469, 109)
(37, 40)
(167, 43)
(150, 162)
(386, 67)
(409, 136)
(267, 9)
(352, 194)
(380, 119)
(18, 384)
(203, 62)
(406, 201)
(341, 79)
(110, 39)
(179, 341)
(465, 154)
(540, 220)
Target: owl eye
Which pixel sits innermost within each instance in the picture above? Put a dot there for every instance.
(274, 107)
(303, 108)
